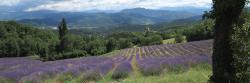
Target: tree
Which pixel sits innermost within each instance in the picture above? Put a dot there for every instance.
(200, 31)
(12, 47)
(62, 33)
(111, 45)
(227, 13)
(124, 43)
(96, 47)
(208, 15)
(241, 48)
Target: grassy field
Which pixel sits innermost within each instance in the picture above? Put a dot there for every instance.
(198, 74)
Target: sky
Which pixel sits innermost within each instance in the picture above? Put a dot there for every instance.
(85, 5)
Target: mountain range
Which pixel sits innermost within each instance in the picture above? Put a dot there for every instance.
(97, 19)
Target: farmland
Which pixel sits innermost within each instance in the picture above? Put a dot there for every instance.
(137, 61)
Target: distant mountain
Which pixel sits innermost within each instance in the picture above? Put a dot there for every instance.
(140, 28)
(195, 10)
(96, 19)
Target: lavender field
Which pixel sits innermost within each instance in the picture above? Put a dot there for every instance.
(146, 61)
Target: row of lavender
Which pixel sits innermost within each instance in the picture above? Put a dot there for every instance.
(28, 69)
(148, 59)
(154, 59)
(181, 49)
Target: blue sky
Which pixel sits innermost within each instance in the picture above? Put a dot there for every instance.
(84, 5)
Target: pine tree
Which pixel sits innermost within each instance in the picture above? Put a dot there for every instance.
(62, 33)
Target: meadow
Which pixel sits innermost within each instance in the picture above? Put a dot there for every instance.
(169, 63)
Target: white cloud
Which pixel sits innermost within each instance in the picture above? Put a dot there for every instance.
(9, 2)
(83, 5)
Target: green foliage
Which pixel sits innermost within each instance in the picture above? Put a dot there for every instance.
(169, 41)
(241, 47)
(74, 42)
(62, 35)
(96, 47)
(25, 40)
(111, 45)
(151, 40)
(62, 29)
(180, 39)
(124, 43)
(208, 15)
(11, 47)
(74, 53)
(22, 40)
(201, 31)
(167, 35)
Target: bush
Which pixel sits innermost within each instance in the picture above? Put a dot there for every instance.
(200, 31)
(124, 43)
(180, 39)
(153, 39)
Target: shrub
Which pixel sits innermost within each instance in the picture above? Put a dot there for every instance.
(180, 39)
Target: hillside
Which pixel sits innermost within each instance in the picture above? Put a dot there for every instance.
(136, 16)
(140, 28)
(180, 49)
(145, 60)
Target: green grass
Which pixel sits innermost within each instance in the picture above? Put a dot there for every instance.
(198, 74)
(6, 80)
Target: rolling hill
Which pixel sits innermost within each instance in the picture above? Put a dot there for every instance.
(147, 60)
(135, 16)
